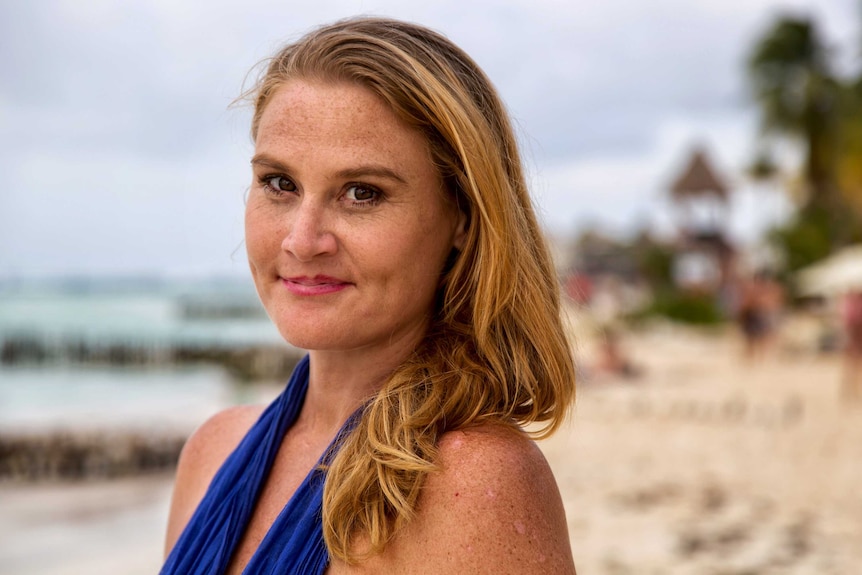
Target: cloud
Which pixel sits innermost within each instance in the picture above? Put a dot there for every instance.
(115, 115)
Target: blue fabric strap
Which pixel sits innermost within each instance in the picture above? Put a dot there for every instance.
(294, 543)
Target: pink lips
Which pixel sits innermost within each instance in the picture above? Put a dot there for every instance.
(317, 285)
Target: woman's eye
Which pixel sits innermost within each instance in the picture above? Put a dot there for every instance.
(362, 194)
(281, 184)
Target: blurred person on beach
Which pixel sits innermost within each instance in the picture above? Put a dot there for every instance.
(851, 319)
(760, 306)
(606, 303)
(389, 232)
(613, 360)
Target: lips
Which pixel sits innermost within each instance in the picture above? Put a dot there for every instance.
(316, 285)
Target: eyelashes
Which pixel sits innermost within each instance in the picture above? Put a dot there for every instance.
(356, 194)
(362, 194)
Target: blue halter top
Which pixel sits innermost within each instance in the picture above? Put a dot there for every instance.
(294, 543)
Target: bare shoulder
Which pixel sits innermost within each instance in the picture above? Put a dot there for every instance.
(494, 507)
(491, 453)
(217, 437)
(203, 454)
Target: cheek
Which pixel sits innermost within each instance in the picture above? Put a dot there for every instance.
(420, 257)
(261, 231)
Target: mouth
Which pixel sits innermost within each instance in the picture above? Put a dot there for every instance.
(316, 285)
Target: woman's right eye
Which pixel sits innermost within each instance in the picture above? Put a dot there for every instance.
(280, 184)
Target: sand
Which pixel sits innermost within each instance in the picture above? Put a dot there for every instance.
(94, 528)
(704, 465)
(712, 465)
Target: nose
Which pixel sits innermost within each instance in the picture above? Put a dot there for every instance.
(308, 235)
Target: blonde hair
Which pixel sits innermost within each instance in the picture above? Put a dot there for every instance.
(496, 349)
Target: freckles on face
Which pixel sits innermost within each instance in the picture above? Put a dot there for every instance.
(347, 223)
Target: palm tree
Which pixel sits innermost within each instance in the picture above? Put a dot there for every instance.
(849, 161)
(801, 98)
(792, 82)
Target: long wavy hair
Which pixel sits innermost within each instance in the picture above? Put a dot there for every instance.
(496, 350)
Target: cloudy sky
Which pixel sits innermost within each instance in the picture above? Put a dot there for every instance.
(119, 152)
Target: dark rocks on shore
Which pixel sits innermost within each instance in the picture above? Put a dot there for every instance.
(66, 455)
(244, 363)
(70, 454)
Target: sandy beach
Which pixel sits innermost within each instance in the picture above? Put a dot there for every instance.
(711, 465)
(703, 465)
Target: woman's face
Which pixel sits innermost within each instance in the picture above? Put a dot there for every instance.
(347, 223)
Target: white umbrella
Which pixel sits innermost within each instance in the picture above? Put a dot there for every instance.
(837, 274)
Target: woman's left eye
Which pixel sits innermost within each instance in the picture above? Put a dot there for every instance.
(362, 194)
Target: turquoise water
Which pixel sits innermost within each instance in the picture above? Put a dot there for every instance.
(84, 397)
(155, 315)
(112, 526)
(151, 315)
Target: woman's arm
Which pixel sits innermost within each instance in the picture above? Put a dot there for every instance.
(200, 459)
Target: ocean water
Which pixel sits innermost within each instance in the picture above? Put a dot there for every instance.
(144, 314)
(157, 314)
(100, 526)
(75, 397)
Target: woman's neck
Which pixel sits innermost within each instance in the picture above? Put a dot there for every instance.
(341, 381)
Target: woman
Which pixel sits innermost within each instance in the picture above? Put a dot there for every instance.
(390, 233)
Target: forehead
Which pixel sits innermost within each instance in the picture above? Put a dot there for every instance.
(339, 114)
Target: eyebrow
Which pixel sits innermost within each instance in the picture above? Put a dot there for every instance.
(268, 162)
(373, 170)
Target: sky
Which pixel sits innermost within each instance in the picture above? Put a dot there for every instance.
(121, 154)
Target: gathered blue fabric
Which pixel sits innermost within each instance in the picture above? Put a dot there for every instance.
(294, 543)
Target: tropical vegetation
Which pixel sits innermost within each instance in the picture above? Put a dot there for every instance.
(804, 98)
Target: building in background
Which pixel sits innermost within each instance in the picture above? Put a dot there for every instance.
(704, 256)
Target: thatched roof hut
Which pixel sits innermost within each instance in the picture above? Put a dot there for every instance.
(698, 179)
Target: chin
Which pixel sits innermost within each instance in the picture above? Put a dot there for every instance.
(310, 339)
